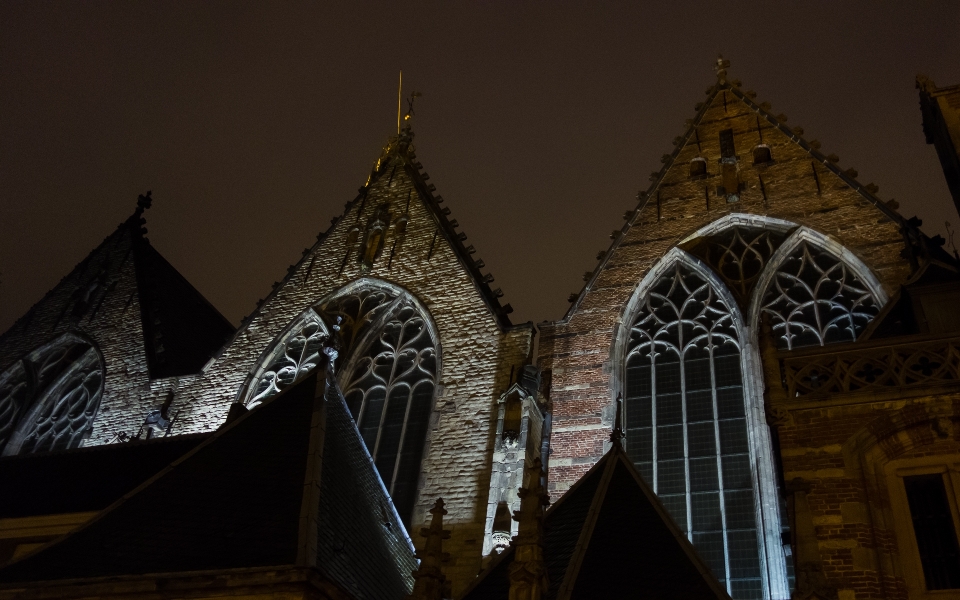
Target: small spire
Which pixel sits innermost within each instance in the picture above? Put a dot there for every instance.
(721, 68)
(528, 572)
(430, 582)
(616, 436)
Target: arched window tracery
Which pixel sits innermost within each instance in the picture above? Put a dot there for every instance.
(814, 298)
(49, 399)
(387, 369)
(684, 317)
(687, 430)
(294, 356)
(738, 254)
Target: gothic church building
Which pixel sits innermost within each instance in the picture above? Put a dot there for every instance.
(763, 369)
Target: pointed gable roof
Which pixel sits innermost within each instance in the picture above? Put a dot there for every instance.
(288, 484)
(179, 327)
(609, 532)
(399, 153)
(730, 90)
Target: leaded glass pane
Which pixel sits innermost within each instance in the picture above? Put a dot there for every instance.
(686, 431)
(391, 374)
(388, 370)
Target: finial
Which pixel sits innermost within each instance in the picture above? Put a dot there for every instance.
(616, 436)
(143, 202)
(721, 68)
(430, 582)
(528, 572)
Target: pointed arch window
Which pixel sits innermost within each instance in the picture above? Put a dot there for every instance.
(686, 426)
(50, 398)
(815, 298)
(293, 357)
(387, 370)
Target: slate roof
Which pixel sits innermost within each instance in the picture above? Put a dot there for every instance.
(181, 330)
(610, 534)
(84, 479)
(287, 484)
(733, 87)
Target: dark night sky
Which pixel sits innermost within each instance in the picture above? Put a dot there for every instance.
(253, 123)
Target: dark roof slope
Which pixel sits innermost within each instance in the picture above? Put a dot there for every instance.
(181, 329)
(234, 501)
(361, 541)
(84, 479)
(609, 532)
(906, 313)
(287, 484)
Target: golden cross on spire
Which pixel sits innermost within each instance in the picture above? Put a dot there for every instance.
(410, 113)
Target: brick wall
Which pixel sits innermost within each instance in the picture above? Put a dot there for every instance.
(800, 186)
(842, 452)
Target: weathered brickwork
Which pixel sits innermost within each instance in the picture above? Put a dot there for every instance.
(843, 451)
(797, 186)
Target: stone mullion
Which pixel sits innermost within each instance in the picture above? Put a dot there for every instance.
(720, 489)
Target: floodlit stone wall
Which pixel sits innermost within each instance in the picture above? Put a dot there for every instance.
(418, 249)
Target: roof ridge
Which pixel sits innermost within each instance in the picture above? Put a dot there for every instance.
(402, 149)
(656, 178)
(572, 571)
(620, 455)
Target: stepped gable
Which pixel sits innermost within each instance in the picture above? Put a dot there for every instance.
(727, 98)
(608, 524)
(84, 479)
(179, 330)
(279, 487)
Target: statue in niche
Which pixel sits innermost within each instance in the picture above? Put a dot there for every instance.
(374, 236)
